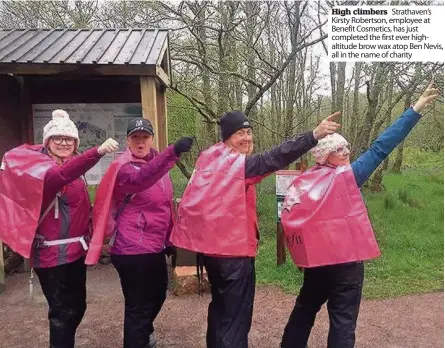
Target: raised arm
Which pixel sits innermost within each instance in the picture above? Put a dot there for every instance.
(260, 165)
(365, 165)
(133, 179)
(60, 175)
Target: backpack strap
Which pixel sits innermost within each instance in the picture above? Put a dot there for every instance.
(47, 210)
(127, 199)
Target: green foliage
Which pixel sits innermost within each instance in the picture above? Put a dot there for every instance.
(411, 240)
(428, 162)
(406, 197)
(429, 132)
(181, 116)
(92, 192)
(389, 202)
(179, 181)
(183, 120)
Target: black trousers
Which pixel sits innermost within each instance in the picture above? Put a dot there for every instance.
(339, 285)
(65, 290)
(230, 312)
(144, 281)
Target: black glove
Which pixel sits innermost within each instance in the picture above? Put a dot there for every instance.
(183, 144)
(170, 251)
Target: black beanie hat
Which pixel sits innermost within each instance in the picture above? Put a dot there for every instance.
(231, 122)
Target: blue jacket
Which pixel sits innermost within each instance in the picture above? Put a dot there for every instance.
(365, 165)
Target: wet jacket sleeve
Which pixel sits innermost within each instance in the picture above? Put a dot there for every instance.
(58, 176)
(260, 165)
(365, 165)
(133, 179)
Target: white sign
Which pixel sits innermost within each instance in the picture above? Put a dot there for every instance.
(96, 123)
(279, 208)
(284, 179)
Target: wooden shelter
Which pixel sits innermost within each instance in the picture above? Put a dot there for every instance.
(56, 66)
(80, 66)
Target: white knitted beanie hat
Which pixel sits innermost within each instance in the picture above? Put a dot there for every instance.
(60, 125)
(325, 146)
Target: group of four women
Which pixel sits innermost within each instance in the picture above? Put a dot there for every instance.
(216, 218)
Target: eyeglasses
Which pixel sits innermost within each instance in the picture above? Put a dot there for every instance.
(59, 140)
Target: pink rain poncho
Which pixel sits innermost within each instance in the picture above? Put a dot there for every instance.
(325, 220)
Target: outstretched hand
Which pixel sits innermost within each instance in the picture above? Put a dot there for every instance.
(426, 98)
(327, 126)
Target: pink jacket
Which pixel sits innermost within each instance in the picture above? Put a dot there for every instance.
(74, 210)
(144, 225)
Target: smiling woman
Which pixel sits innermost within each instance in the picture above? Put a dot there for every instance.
(241, 140)
(55, 221)
(217, 217)
(61, 147)
(61, 136)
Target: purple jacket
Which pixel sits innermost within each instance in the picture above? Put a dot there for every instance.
(144, 225)
(74, 210)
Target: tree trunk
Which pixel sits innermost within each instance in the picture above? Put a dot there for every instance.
(355, 102)
(377, 178)
(223, 55)
(250, 8)
(237, 85)
(389, 113)
(294, 26)
(210, 129)
(376, 181)
(333, 87)
(290, 100)
(340, 90)
(397, 167)
(373, 93)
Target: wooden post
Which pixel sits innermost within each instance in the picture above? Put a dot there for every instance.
(162, 134)
(149, 105)
(26, 265)
(2, 269)
(26, 111)
(281, 248)
(27, 128)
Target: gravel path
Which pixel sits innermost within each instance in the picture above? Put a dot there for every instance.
(410, 321)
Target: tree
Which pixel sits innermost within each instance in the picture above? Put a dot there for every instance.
(49, 14)
(408, 97)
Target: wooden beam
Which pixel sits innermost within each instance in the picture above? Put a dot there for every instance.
(78, 69)
(149, 104)
(162, 118)
(162, 76)
(26, 111)
(26, 265)
(2, 269)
